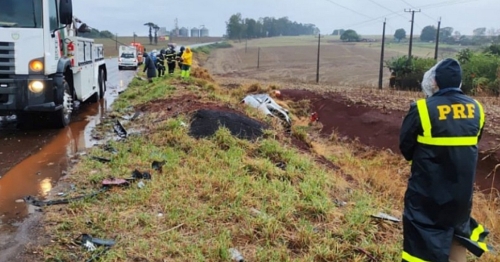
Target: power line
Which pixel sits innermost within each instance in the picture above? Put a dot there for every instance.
(387, 8)
(347, 8)
(404, 1)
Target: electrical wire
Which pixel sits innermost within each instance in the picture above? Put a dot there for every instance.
(347, 8)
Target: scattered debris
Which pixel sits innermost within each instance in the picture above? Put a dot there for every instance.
(268, 106)
(141, 184)
(101, 159)
(314, 117)
(255, 212)
(119, 129)
(236, 255)
(372, 258)
(92, 243)
(158, 166)
(33, 201)
(281, 165)
(386, 217)
(115, 182)
(110, 149)
(206, 122)
(340, 203)
(136, 174)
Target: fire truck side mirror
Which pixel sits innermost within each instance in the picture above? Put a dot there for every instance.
(66, 12)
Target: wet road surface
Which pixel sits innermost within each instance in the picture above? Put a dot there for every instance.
(32, 162)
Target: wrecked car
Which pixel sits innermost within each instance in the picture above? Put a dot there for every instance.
(265, 104)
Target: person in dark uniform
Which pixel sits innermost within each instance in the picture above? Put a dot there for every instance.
(149, 66)
(178, 57)
(439, 135)
(171, 58)
(160, 63)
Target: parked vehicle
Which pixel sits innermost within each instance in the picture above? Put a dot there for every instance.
(140, 52)
(127, 57)
(45, 67)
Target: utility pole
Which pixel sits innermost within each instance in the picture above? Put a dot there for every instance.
(381, 72)
(411, 31)
(258, 58)
(317, 62)
(437, 40)
(134, 37)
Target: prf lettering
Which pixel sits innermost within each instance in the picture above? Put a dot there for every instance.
(458, 111)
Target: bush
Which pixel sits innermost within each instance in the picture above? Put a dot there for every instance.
(407, 74)
(480, 73)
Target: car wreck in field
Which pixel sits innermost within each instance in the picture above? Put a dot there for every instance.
(265, 104)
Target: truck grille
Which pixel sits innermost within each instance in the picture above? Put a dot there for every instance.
(7, 63)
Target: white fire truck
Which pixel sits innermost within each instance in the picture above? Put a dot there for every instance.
(46, 69)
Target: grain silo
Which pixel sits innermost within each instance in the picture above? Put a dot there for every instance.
(203, 32)
(184, 32)
(195, 32)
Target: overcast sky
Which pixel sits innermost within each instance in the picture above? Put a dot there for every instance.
(365, 16)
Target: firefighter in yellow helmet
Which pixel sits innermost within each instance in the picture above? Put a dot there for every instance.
(440, 135)
(187, 62)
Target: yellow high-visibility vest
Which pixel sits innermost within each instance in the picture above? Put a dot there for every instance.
(427, 139)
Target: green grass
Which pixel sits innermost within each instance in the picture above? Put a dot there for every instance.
(205, 200)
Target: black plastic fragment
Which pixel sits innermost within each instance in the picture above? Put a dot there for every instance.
(158, 165)
(119, 129)
(136, 174)
(101, 159)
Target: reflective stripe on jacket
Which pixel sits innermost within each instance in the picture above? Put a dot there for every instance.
(439, 135)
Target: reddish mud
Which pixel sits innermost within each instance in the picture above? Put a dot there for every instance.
(379, 128)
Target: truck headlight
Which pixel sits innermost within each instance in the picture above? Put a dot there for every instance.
(36, 86)
(36, 66)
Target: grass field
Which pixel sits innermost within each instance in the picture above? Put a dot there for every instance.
(293, 59)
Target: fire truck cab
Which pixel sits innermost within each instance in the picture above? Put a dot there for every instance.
(46, 69)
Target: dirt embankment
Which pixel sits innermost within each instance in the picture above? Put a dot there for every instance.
(379, 128)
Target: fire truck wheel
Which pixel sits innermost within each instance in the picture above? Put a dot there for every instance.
(62, 117)
(102, 84)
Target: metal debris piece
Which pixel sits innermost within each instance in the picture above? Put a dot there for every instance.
(236, 255)
(386, 217)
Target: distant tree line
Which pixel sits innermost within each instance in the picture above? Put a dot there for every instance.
(447, 35)
(238, 27)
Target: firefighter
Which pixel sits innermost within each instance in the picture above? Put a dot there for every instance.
(179, 56)
(171, 58)
(187, 61)
(160, 63)
(439, 135)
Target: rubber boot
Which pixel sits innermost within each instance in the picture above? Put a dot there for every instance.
(188, 73)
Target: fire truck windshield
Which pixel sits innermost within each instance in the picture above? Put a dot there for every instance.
(21, 13)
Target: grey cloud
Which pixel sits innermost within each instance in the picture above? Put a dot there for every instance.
(127, 16)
